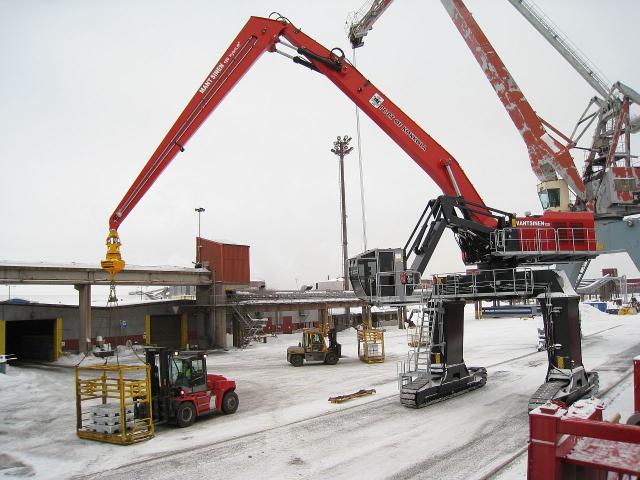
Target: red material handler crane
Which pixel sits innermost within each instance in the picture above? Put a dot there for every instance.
(495, 240)
(260, 35)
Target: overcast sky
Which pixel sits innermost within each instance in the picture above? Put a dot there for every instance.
(89, 88)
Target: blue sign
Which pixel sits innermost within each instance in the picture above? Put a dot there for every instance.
(123, 324)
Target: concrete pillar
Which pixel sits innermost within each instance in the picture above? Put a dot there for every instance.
(84, 302)
(324, 316)
(477, 309)
(184, 330)
(214, 334)
(402, 317)
(219, 317)
(367, 320)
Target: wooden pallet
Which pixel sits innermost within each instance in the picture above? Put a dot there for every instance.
(351, 396)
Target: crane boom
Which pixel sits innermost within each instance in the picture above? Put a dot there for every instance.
(363, 22)
(611, 177)
(564, 46)
(258, 36)
(549, 159)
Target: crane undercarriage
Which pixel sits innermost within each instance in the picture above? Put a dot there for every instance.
(435, 368)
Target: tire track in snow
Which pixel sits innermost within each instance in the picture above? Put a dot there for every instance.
(515, 425)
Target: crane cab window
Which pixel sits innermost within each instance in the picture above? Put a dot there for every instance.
(549, 198)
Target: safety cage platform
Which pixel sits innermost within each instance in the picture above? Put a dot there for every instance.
(113, 403)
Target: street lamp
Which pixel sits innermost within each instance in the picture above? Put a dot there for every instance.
(341, 148)
(199, 210)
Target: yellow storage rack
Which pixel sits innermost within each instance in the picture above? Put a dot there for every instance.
(371, 345)
(113, 403)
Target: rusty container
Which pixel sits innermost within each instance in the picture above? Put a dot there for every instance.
(229, 261)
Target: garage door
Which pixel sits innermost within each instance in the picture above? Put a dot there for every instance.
(165, 331)
(33, 339)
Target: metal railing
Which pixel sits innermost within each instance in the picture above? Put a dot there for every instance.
(543, 240)
(485, 283)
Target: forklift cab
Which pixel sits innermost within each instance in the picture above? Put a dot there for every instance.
(188, 371)
(174, 371)
(314, 342)
(181, 388)
(314, 348)
(314, 345)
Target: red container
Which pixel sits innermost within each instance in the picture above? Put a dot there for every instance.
(229, 262)
(287, 324)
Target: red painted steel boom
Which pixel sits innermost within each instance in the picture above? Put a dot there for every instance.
(548, 157)
(262, 34)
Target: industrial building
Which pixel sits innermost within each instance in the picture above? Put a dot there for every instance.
(224, 311)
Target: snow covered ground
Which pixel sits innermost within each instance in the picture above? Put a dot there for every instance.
(286, 428)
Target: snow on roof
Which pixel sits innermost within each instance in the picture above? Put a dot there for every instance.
(95, 266)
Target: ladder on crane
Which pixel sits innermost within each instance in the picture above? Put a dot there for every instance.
(415, 372)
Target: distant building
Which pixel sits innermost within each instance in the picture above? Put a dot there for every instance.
(333, 285)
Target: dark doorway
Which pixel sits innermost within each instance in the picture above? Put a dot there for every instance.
(31, 339)
(165, 331)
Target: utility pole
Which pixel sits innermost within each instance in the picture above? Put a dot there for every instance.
(199, 210)
(341, 148)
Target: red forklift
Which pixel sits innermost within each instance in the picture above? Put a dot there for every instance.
(181, 389)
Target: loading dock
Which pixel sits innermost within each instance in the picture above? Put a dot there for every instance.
(32, 339)
(79, 319)
(165, 330)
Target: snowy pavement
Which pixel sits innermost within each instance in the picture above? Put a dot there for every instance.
(286, 428)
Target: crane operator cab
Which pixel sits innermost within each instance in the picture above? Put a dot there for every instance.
(381, 276)
(554, 196)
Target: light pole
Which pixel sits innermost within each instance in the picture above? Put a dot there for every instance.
(341, 148)
(199, 210)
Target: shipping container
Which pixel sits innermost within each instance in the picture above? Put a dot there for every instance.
(229, 262)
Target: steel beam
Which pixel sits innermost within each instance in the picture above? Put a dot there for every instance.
(14, 273)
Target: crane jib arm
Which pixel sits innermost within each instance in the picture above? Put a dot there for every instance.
(549, 159)
(260, 35)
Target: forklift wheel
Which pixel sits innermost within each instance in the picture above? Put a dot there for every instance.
(296, 360)
(230, 403)
(331, 358)
(186, 414)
